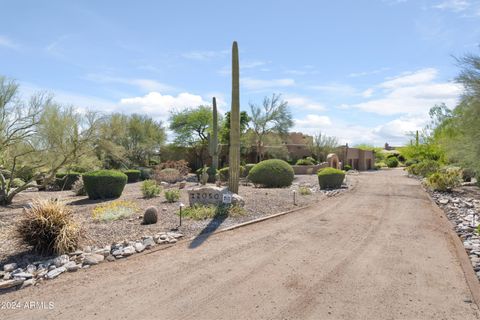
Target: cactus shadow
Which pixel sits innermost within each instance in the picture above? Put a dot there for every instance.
(209, 229)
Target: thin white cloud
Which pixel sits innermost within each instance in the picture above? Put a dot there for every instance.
(454, 5)
(300, 103)
(259, 84)
(368, 93)
(143, 84)
(312, 121)
(205, 55)
(411, 78)
(367, 73)
(412, 94)
(7, 43)
(336, 89)
(159, 106)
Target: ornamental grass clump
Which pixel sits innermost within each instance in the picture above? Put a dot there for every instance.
(48, 227)
(330, 178)
(114, 210)
(202, 212)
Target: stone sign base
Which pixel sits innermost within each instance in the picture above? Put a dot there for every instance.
(213, 195)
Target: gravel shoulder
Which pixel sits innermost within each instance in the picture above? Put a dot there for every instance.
(381, 251)
(259, 202)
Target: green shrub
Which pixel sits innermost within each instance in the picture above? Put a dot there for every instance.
(445, 180)
(65, 181)
(305, 162)
(305, 191)
(6, 173)
(104, 184)
(424, 168)
(132, 175)
(330, 178)
(17, 183)
(391, 162)
(247, 169)
(114, 210)
(273, 173)
(145, 173)
(150, 189)
(48, 227)
(347, 167)
(411, 162)
(224, 173)
(169, 175)
(172, 195)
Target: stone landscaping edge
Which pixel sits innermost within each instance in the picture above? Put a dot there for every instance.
(70, 258)
(465, 263)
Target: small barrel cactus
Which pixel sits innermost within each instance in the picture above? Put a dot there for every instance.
(150, 216)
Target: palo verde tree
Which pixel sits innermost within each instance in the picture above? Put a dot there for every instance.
(272, 116)
(191, 127)
(39, 135)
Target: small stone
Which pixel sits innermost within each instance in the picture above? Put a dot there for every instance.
(2, 273)
(173, 240)
(55, 272)
(148, 243)
(87, 249)
(443, 201)
(139, 247)
(28, 283)
(9, 267)
(128, 251)
(164, 209)
(117, 252)
(25, 275)
(61, 260)
(72, 266)
(75, 253)
(11, 283)
(110, 258)
(52, 267)
(31, 268)
(163, 237)
(93, 259)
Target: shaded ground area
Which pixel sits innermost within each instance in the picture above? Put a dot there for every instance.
(381, 251)
(259, 202)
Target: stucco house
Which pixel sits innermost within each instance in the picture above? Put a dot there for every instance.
(358, 159)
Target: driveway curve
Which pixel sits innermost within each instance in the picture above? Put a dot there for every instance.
(381, 251)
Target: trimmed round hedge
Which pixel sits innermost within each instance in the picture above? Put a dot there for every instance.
(104, 184)
(65, 181)
(330, 178)
(132, 175)
(392, 162)
(273, 173)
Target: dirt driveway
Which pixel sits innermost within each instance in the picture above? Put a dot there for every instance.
(381, 251)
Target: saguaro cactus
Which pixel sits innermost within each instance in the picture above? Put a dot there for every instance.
(234, 154)
(213, 144)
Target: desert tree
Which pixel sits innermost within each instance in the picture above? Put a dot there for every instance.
(273, 116)
(40, 136)
(321, 145)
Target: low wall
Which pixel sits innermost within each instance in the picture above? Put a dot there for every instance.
(309, 169)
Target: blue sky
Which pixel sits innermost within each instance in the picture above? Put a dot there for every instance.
(364, 71)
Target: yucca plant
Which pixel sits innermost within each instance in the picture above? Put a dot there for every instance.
(48, 226)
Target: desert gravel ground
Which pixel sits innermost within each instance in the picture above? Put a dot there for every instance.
(380, 251)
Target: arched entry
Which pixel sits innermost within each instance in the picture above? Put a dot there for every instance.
(332, 160)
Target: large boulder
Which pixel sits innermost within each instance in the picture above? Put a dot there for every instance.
(206, 195)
